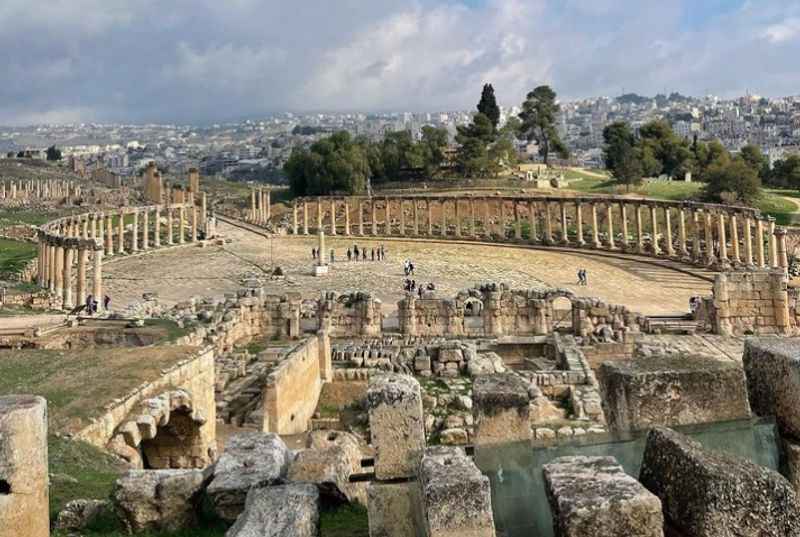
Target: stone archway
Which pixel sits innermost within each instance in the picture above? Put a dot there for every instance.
(561, 313)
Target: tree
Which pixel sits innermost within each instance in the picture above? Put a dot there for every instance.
(474, 140)
(53, 154)
(786, 172)
(621, 155)
(754, 158)
(488, 105)
(332, 164)
(733, 178)
(539, 112)
(669, 149)
(432, 146)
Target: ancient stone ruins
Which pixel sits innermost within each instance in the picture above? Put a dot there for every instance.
(494, 411)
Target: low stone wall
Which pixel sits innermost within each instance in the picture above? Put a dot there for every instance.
(356, 314)
(195, 375)
(292, 390)
(755, 303)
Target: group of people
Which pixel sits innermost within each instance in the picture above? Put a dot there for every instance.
(90, 306)
(408, 267)
(583, 278)
(411, 285)
(355, 254)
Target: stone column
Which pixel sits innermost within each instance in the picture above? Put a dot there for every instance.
(501, 224)
(83, 261)
(85, 227)
(534, 238)
(517, 222)
(346, 217)
(579, 223)
(109, 236)
(146, 229)
(69, 254)
(182, 224)
(457, 216)
(639, 231)
(773, 250)
(735, 239)
(121, 232)
(430, 217)
(97, 278)
(39, 263)
(668, 226)
(709, 239)
(697, 250)
(415, 207)
(682, 233)
(267, 204)
(361, 218)
(654, 229)
(333, 217)
(374, 217)
(157, 227)
(387, 217)
(780, 240)
(472, 231)
(595, 227)
(194, 221)
(93, 225)
(610, 225)
(760, 242)
(135, 232)
(443, 208)
(564, 227)
(548, 234)
(748, 241)
(253, 205)
(723, 240)
(487, 219)
(623, 212)
(55, 269)
(204, 208)
(24, 472)
(170, 225)
(305, 217)
(319, 213)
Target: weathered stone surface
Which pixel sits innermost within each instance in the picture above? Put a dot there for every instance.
(709, 494)
(24, 478)
(250, 459)
(501, 409)
(330, 468)
(455, 497)
(396, 422)
(157, 500)
(484, 364)
(390, 510)
(672, 390)
(78, 514)
(592, 496)
(772, 367)
(280, 511)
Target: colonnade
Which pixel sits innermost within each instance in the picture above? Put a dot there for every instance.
(712, 235)
(38, 189)
(260, 202)
(67, 245)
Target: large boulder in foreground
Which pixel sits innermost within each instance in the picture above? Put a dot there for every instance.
(670, 391)
(711, 494)
(772, 366)
(250, 459)
(158, 500)
(280, 511)
(332, 457)
(592, 496)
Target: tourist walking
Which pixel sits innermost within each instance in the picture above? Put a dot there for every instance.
(373, 254)
(349, 255)
(313, 253)
(106, 302)
(332, 260)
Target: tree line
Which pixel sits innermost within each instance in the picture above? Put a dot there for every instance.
(656, 150)
(342, 163)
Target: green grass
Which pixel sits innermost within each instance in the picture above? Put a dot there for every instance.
(673, 190)
(14, 255)
(255, 347)
(348, 521)
(34, 217)
(171, 329)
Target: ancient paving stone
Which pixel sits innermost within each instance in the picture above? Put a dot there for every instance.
(501, 408)
(672, 390)
(24, 509)
(280, 511)
(158, 500)
(396, 422)
(455, 498)
(592, 496)
(707, 494)
(390, 510)
(250, 459)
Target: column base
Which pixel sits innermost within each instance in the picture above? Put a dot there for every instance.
(320, 270)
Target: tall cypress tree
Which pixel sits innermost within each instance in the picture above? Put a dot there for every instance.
(488, 105)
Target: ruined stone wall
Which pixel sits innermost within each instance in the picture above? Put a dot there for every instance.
(292, 390)
(750, 303)
(195, 375)
(356, 314)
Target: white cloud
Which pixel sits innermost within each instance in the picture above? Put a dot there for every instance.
(784, 31)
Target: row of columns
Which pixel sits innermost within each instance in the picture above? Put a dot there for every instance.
(260, 203)
(38, 189)
(704, 234)
(64, 265)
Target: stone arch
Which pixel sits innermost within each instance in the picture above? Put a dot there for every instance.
(561, 306)
(473, 307)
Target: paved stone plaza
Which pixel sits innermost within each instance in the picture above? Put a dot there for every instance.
(181, 273)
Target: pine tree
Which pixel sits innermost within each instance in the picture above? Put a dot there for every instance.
(488, 105)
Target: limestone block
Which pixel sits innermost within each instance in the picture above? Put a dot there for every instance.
(397, 424)
(706, 494)
(327, 467)
(24, 495)
(250, 459)
(672, 390)
(158, 500)
(501, 409)
(78, 514)
(772, 367)
(592, 496)
(455, 498)
(281, 511)
(390, 510)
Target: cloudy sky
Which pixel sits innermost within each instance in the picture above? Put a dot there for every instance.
(197, 61)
